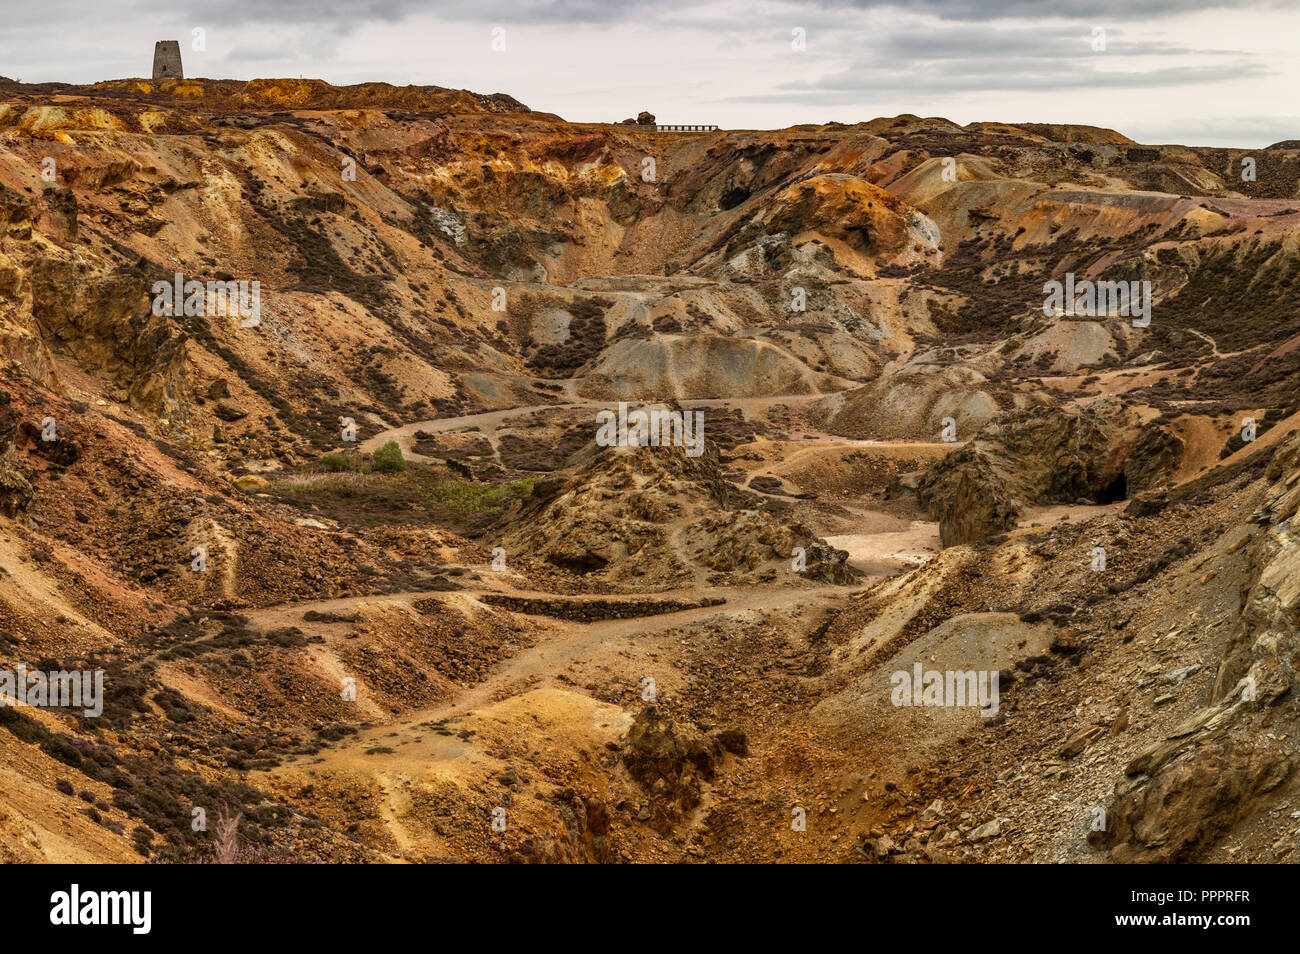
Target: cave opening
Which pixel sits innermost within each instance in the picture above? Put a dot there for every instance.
(732, 197)
(1115, 491)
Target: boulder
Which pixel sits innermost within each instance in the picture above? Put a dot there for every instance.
(1191, 803)
(15, 214)
(15, 489)
(669, 761)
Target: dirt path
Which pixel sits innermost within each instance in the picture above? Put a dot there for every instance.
(569, 641)
(560, 642)
(891, 546)
(1067, 513)
(488, 421)
(284, 614)
(394, 750)
(1206, 338)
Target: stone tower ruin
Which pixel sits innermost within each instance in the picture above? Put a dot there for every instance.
(167, 60)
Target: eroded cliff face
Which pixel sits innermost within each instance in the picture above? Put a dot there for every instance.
(636, 652)
(423, 217)
(1092, 453)
(1212, 771)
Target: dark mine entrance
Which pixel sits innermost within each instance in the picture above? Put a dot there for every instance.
(1115, 491)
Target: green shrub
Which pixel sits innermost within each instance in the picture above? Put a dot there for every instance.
(389, 458)
(335, 462)
(465, 497)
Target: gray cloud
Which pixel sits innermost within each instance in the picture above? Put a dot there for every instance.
(983, 10)
(347, 12)
(612, 11)
(587, 58)
(969, 57)
(868, 85)
(1217, 131)
(346, 15)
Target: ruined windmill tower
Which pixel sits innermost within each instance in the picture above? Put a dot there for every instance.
(167, 60)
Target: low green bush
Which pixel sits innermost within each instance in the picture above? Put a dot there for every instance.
(389, 459)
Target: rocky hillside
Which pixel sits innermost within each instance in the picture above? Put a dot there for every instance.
(362, 580)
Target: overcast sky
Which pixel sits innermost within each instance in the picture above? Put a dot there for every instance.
(1184, 71)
